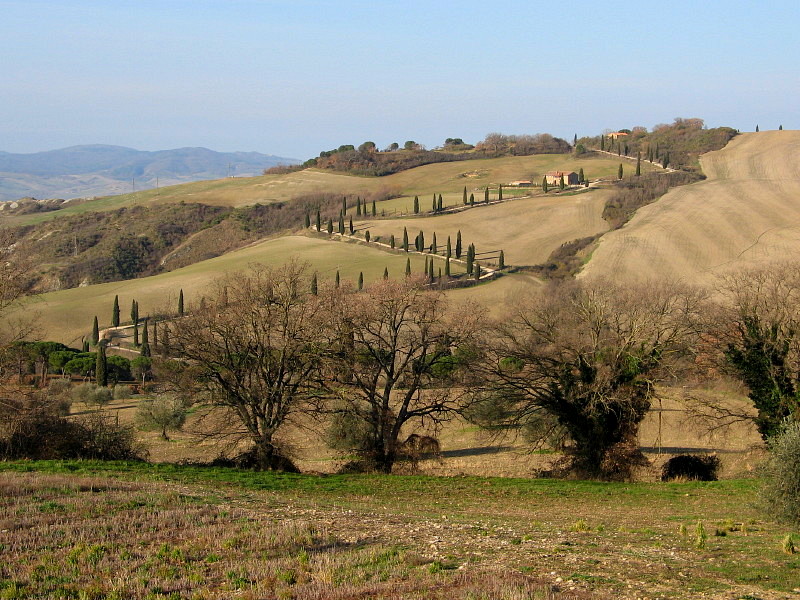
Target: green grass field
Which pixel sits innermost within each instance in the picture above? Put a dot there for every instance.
(126, 530)
(448, 179)
(66, 315)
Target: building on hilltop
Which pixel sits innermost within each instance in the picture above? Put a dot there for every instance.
(616, 135)
(554, 177)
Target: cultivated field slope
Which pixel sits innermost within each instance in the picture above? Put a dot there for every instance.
(746, 212)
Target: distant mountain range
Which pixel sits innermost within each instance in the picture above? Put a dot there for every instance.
(100, 170)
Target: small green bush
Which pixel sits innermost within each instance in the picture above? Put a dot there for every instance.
(780, 494)
(122, 392)
(89, 393)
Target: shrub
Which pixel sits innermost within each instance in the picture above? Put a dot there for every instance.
(58, 392)
(691, 466)
(163, 413)
(780, 494)
(122, 392)
(89, 393)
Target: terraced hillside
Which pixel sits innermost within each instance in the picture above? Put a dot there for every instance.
(746, 212)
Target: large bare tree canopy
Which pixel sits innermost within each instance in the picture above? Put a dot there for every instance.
(254, 351)
(587, 356)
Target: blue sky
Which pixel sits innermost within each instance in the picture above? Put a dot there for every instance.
(296, 77)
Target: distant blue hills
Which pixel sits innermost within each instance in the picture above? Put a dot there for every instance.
(100, 170)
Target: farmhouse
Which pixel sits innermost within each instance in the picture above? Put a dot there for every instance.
(554, 177)
(616, 134)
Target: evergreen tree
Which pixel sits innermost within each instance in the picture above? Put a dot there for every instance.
(352, 229)
(341, 225)
(386, 272)
(472, 199)
(338, 279)
(314, 284)
(780, 127)
(165, 345)
(95, 333)
(421, 238)
(85, 346)
(330, 226)
(486, 195)
(155, 335)
(449, 248)
(145, 351)
(575, 140)
(358, 206)
(319, 222)
(440, 272)
(501, 263)
(115, 313)
(626, 150)
(136, 334)
(180, 305)
(465, 195)
(434, 247)
(392, 242)
(374, 209)
(134, 311)
(430, 272)
(361, 280)
(561, 184)
(619, 171)
(581, 177)
(602, 142)
(433, 206)
(470, 259)
(344, 205)
(477, 271)
(367, 237)
(308, 221)
(500, 192)
(416, 205)
(425, 268)
(638, 164)
(756, 128)
(544, 184)
(666, 160)
(439, 203)
(405, 239)
(101, 366)
(458, 244)
(447, 267)
(408, 267)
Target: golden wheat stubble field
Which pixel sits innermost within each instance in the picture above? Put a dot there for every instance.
(746, 212)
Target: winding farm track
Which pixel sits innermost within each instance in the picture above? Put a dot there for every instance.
(747, 212)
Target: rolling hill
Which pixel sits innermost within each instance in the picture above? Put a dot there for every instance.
(100, 170)
(746, 212)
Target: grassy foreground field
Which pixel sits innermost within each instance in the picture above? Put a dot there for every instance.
(66, 315)
(745, 213)
(445, 178)
(113, 531)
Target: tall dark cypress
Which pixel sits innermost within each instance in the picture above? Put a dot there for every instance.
(314, 285)
(421, 239)
(416, 205)
(319, 222)
(447, 267)
(619, 171)
(392, 242)
(458, 244)
(344, 205)
(145, 351)
(136, 334)
(115, 313)
(433, 206)
(386, 272)
(501, 263)
(472, 199)
(361, 280)
(434, 247)
(544, 184)
(638, 164)
(405, 239)
(408, 267)
(449, 248)
(101, 366)
(134, 311)
(341, 225)
(486, 195)
(154, 345)
(308, 221)
(95, 333)
(439, 204)
(330, 226)
(358, 206)
(338, 279)
(180, 304)
(465, 195)
(500, 192)
(374, 209)
(352, 229)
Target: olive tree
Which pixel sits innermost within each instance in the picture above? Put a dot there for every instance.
(584, 358)
(252, 356)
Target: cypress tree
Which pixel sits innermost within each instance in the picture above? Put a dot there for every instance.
(408, 267)
(416, 205)
(472, 199)
(358, 206)
(338, 279)
(134, 311)
(626, 150)
(421, 241)
(391, 242)
(638, 164)
(666, 160)
(180, 304)
(458, 244)
(756, 128)
(477, 271)
(136, 334)
(465, 195)
(501, 263)
(447, 267)
(449, 248)
(430, 273)
(85, 346)
(425, 268)
(308, 221)
(434, 247)
(361, 280)
(439, 203)
(367, 236)
(314, 284)
(95, 333)
(469, 260)
(780, 127)
(145, 351)
(486, 195)
(330, 226)
(115, 312)
(500, 192)
(374, 209)
(561, 184)
(386, 272)
(544, 184)
(581, 177)
(319, 222)
(344, 205)
(619, 171)
(440, 272)
(433, 206)
(101, 367)
(352, 229)
(341, 225)
(165, 346)
(602, 142)
(155, 335)
(405, 239)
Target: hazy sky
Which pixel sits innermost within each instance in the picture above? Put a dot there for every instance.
(298, 76)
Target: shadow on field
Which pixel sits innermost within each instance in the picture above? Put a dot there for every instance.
(475, 451)
(686, 450)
